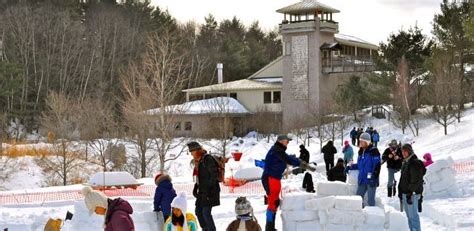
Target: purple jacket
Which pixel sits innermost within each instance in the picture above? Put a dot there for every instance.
(118, 216)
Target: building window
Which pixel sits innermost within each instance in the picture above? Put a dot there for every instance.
(233, 95)
(276, 97)
(188, 126)
(267, 97)
(177, 126)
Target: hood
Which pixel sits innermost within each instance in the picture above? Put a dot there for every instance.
(165, 184)
(161, 178)
(119, 204)
(427, 156)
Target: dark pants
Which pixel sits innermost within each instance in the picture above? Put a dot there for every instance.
(375, 143)
(205, 219)
(353, 141)
(329, 163)
(308, 182)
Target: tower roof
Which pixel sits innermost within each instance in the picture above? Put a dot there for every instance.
(307, 6)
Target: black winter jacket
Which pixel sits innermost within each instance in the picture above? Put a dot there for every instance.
(337, 173)
(391, 162)
(304, 155)
(411, 178)
(207, 188)
(329, 150)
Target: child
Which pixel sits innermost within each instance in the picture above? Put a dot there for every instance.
(245, 220)
(338, 173)
(180, 219)
(164, 194)
(428, 161)
(116, 211)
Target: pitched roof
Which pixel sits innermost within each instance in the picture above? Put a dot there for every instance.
(273, 69)
(354, 41)
(243, 84)
(307, 6)
(218, 105)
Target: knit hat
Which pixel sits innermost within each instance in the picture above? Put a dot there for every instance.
(283, 137)
(161, 176)
(393, 143)
(180, 202)
(408, 148)
(94, 199)
(365, 137)
(340, 160)
(194, 146)
(346, 142)
(243, 206)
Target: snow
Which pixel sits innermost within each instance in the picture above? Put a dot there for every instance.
(332, 188)
(322, 203)
(374, 215)
(349, 203)
(251, 173)
(398, 221)
(112, 179)
(206, 106)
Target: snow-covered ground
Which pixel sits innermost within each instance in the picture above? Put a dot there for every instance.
(458, 144)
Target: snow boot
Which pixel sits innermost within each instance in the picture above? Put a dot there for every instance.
(270, 226)
(389, 192)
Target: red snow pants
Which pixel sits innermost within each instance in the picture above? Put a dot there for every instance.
(273, 193)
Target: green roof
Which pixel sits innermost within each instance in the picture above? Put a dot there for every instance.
(307, 6)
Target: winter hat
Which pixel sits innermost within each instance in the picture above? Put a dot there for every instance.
(180, 202)
(346, 142)
(301, 146)
(161, 176)
(340, 160)
(365, 137)
(408, 148)
(194, 146)
(243, 206)
(283, 137)
(94, 199)
(427, 156)
(393, 143)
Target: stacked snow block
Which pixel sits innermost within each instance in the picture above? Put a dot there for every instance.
(440, 179)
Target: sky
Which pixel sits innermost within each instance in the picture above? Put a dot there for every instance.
(371, 20)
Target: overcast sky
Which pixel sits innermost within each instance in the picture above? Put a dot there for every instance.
(371, 20)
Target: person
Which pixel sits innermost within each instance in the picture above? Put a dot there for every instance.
(245, 220)
(304, 154)
(428, 160)
(206, 189)
(368, 164)
(353, 135)
(164, 195)
(308, 183)
(348, 152)
(393, 157)
(359, 133)
(276, 161)
(180, 219)
(115, 211)
(329, 150)
(375, 138)
(410, 188)
(338, 173)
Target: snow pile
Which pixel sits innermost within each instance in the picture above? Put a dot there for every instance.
(440, 179)
(112, 179)
(251, 173)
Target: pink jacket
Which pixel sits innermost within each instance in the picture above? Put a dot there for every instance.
(118, 216)
(428, 161)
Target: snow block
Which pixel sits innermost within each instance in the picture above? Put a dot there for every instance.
(332, 188)
(295, 201)
(352, 189)
(369, 228)
(289, 225)
(398, 221)
(112, 179)
(431, 176)
(447, 173)
(352, 177)
(302, 215)
(334, 227)
(309, 226)
(251, 173)
(353, 203)
(440, 164)
(374, 216)
(323, 217)
(442, 185)
(321, 203)
(345, 217)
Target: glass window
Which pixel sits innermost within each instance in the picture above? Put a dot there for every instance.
(276, 97)
(177, 126)
(233, 95)
(267, 97)
(188, 126)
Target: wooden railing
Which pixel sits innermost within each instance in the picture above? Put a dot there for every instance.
(343, 64)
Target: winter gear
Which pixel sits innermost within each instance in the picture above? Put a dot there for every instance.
(329, 150)
(204, 215)
(370, 190)
(194, 146)
(180, 202)
(283, 137)
(270, 224)
(189, 224)
(420, 204)
(393, 144)
(272, 188)
(243, 206)
(365, 137)
(391, 183)
(118, 216)
(244, 223)
(346, 142)
(308, 183)
(368, 164)
(409, 148)
(428, 161)
(304, 154)
(389, 192)
(207, 189)
(359, 133)
(51, 225)
(411, 177)
(276, 161)
(338, 173)
(93, 199)
(375, 137)
(393, 157)
(164, 194)
(353, 136)
(348, 154)
(411, 211)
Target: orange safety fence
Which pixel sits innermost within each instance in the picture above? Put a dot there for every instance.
(464, 167)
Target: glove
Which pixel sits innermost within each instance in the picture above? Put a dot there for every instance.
(195, 190)
(409, 199)
(420, 204)
(306, 166)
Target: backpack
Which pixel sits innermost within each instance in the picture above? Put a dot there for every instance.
(220, 162)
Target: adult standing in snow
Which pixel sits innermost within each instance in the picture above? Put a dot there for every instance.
(411, 186)
(393, 157)
(353, 135)
(164, 195)
(276, 161)
(338, 173)
(180, 219)
(368, 164)
(304, 154)
(428, 160)
(207, 189)
(329, 150)
(375, 138)
(245, 220)
(348, 152)
(116, 211)
(359, 133)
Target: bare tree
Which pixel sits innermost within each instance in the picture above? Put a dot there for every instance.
(220, 112)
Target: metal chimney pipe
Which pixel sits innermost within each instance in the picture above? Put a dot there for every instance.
(220, 78)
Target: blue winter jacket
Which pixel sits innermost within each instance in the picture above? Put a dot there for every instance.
(375, 137)
(368, 164)
(353, 133)
(276, 161)
(164, 195)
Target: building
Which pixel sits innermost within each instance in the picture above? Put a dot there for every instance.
(298, 86)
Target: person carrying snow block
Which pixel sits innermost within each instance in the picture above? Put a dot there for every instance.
(116, 211)
(393, 157)
(164, 195)
(428, 160)
(276, 161)
(348, 152)
(353, 135)
(245, 219)
(375, 138)
(329, 150)
(180, 219)
(207, 189)
(410, 188)
(368, 164)
(338, 173)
